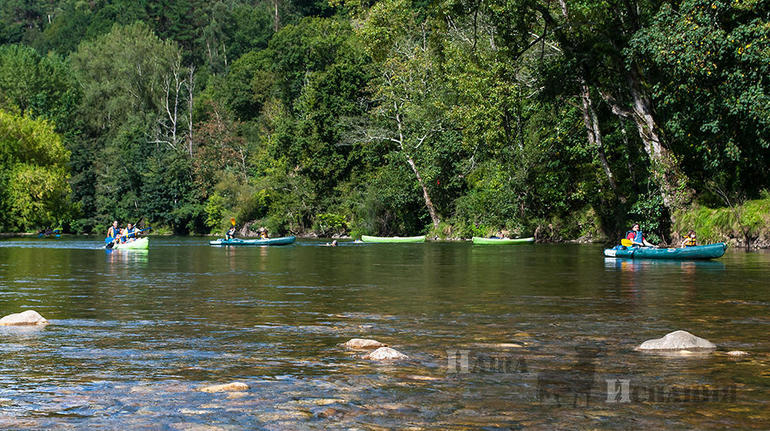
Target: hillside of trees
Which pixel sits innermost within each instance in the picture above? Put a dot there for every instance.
(391, 117)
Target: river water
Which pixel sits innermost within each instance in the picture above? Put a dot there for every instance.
(499, 337)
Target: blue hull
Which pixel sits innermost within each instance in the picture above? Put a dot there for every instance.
(270, 241)
(710, 251)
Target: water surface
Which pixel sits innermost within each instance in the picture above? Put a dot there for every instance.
(499, 337)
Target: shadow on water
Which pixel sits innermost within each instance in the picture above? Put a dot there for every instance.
(508, 337)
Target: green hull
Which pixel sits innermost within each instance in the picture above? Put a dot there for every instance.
(710, 251)
(487, 241)
(137, 244)
(381, 239)
(269, 241)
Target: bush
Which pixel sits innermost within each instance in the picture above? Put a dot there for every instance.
(329, 224)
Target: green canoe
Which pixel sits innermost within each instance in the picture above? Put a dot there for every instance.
(284, 240)
(710, 251)
(367, 238)
(137, 244)
(486, 241)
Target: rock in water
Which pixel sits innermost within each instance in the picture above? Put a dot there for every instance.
(29, 317)
(386, 354)
(363, 344)
(229, 387)
(678, 340)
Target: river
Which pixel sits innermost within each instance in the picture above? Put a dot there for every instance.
(499, 337)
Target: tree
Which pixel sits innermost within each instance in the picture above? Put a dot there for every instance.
(406, 93)
(33, 174)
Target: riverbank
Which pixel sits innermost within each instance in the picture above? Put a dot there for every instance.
(737, 226)
(745, 226)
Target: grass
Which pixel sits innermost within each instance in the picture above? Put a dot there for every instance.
(747, 221)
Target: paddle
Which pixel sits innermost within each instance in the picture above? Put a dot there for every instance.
(625, 242)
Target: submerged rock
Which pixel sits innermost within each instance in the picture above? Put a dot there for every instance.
(29, 317)
(386, 354)
(229, 387)
(737, 353)
(678, 340)
(363, 344)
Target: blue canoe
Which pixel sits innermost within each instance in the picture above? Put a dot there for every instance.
(285, 240)
(710, 251)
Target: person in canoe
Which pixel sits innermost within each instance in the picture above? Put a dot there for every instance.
(636, 236)
(263, 233)
(230, 233)
(114, 232)
(690, 240)
(130, 232)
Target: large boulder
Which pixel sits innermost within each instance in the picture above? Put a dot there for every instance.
(363, 344)
(386, 354)
(29, 317)
(678, 340)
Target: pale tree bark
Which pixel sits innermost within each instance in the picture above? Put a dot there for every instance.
(190, 83)
(178, 86)
(591, 119)
(426, 196)
(276, 17)
(594, 133)
(665, 168)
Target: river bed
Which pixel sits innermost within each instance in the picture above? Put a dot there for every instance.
(499, 337)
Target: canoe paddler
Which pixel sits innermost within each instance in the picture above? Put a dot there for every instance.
(230, 233)
(636, 236)
(130, 231)
(113, 232)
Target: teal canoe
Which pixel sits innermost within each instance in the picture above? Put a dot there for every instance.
(137, 244)
(487, 241)
(284, 240)
(710, 251)
(367, 238)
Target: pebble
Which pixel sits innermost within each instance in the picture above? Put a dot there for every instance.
(386, 354)
(228, 387)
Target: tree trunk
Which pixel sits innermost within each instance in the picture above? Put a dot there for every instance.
(594, 133)
(665, 168)
(428, 202)
(425, 194)
(276, 17)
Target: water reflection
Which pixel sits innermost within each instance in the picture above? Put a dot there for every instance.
(132, 339)
(127, 256)
(689, 266)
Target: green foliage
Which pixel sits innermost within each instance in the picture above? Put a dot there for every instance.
(648, 212)
(329, 224)
(215, 211)
(710, 59)
(388, 117)
(33, 174)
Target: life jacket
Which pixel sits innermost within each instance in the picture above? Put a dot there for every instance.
(689, 242)
(635, 237)
(130, 233)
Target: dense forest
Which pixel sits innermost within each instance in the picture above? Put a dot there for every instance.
(453, 118)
